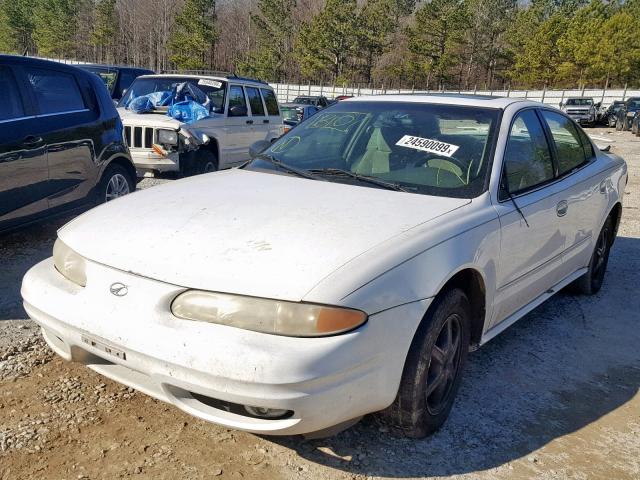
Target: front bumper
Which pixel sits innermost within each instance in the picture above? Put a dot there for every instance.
(582, 118)
(323, 381)
(148, 161)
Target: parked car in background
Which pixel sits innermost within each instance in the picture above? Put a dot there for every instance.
(609, 116)
(315, 100)
(626, 113)
(117, 79)
(61, 142)
(635, 124)
(240, 112)
(293, 113)
(346, 269)
(339, 98)
(581, 109)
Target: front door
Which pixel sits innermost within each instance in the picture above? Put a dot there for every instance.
(24, 175)
(531, 242)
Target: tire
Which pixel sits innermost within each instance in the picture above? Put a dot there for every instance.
(116, 182)
(419, 409)
(591, 282)
(199, 162)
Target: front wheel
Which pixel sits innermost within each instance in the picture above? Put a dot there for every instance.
(198, 162)
(433, 369)
(116, 182)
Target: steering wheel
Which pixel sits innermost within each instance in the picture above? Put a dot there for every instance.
(457, 164)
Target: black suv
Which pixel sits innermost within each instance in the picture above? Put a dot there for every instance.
(117, 79)
(626, 113)
(61, 142)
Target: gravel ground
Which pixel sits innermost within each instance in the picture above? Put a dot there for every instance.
(555, 396)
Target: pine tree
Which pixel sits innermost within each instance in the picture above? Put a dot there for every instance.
(16, 22)
(55, 23)
(192, 42)
(275, 29)
(105, 29)
(436, 37)
(329, 41)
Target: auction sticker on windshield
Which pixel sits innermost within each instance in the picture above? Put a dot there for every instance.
(428, 145)
(209, 83)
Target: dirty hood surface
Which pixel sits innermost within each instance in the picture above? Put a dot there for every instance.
(246, 232)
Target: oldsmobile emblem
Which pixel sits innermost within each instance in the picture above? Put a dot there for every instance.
(119, 289)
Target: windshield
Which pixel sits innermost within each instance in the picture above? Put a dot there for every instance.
(305, 100)
(143, 86)
(633, 104)
(423, 148)
(580, 102)
(107, 76)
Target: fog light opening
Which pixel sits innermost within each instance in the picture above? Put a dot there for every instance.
(268, 413)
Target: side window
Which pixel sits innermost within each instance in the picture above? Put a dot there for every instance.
(567, 141)
(255, 102)
(237, 102)
(527, 158)
(586, 145)
(10, 100)
(125, 81)
(271, 102)
(56, 92)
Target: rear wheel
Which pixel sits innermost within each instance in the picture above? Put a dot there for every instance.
(591, 282)
(433, 369)
(116, 182)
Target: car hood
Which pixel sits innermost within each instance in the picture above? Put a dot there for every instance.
(246, 232)
(151, 119)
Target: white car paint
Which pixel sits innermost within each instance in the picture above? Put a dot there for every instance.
(383, 252)
(231, 136)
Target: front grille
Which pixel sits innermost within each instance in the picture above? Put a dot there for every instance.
(139, 137)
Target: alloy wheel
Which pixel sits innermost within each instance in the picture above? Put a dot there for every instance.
(117, 186)
(444, 365)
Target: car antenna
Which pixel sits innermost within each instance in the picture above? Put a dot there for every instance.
(513, 200)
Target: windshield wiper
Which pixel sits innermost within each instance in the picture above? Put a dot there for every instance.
(288, 168)
(361, 178)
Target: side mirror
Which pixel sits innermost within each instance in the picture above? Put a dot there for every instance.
(238, 111)
(258, 147)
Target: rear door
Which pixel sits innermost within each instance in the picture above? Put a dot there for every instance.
(68, 123)
(261, 127)
(585, 194)
(238, 131)
(24, 174)
(273, 112)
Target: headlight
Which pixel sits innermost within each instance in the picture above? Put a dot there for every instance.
(266, 316)
(167, 137)
(71, 265)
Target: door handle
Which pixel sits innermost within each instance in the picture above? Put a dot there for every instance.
(265, 121)
(249, 122)
(32, 141)
(562, 208)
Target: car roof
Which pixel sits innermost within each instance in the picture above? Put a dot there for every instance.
(113, 67)
(446, 99)
(297, 105)
(221, 78)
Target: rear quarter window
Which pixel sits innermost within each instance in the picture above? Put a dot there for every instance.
(270, 101)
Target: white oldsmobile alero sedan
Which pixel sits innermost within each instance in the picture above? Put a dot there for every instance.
(347, 269)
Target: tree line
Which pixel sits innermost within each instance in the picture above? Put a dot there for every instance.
(397, 43)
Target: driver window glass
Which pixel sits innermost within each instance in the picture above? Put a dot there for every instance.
(527, 159)
(237, 99)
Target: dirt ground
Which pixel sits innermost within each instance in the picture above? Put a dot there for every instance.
(554, 397)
